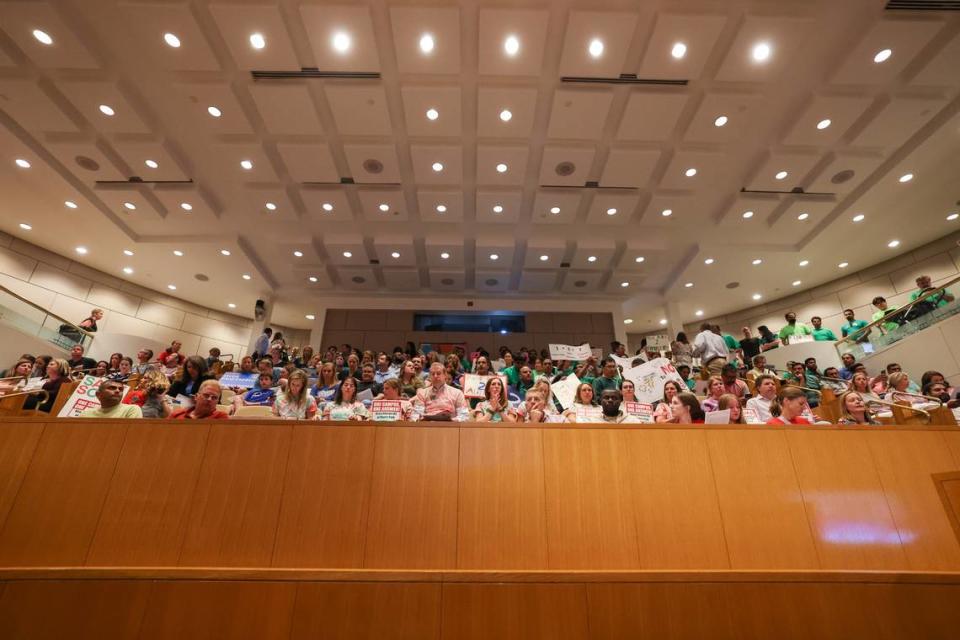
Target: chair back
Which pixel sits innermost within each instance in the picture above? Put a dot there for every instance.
(254, 412)
(902, 415)
(66, 390)
(942, 416)
(12, 406)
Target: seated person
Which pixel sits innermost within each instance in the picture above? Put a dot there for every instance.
(295, 402)
(533, 408)
(327, 384)
(261, 395)
(759, 367)
(151, 395)
(730, 402)
(661, 413)
(194, 373)
(766, 386)
(686, 409)
(391, 391)
(831, 380)
(611, 410)
(101, 370)
(172, 350)
(583, 397)
(58, 374)
(439, 400)
(144, 356)
(368, 382)
(109, 393)
(789, 407)
(854, 411)
(79, 361)
(688, 382)
(345, 405)
(124, 371)
(732, 384)
(495, 408)
(205, 407)
(214, 357)
(715, 389)
(20, 370)
(524, 382)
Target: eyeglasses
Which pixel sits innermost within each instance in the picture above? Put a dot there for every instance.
(209, 396)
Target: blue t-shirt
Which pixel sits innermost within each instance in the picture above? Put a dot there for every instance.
(325, 394)
(259, 396)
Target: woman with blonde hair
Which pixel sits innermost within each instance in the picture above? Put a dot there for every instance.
(861, 384)
(58, 373)
(730, 401)
(583, 396)
(789, 406)
(151, 394)
(409, 381)
(714, 391)
(853, 410)
(295, 402)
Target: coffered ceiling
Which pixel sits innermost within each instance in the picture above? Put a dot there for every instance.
(600, 152)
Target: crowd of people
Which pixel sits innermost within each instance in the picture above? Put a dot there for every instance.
(344, 383)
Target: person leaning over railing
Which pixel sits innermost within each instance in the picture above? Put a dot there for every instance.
(925, 286)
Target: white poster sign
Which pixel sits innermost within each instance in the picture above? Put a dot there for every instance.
(589, 413)
(568, 352)
(642, 411)
(659, 342)
(387, 410)
(85, 397)
(475, 386)
(239, 380)
(628, 362)
(565, 390)
(648, 378)
(721, 416)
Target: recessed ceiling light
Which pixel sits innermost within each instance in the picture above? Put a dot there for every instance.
(257, 41)
(441, 208)
(953, 216)
(663, 321)
(907, 177)
(231, 305)
(690, 172)
(859, 217)
(804, 263)
(505, 115)
(893, 244)
(628, 321)
(720, 121)
(624, 284)
(497, 208)
(178, 253)
(246, 276)
(42, 36)
(384, 207)
(326, 206)
(679, 50)
(106, 110)
(823, 124)
(313, 279)
(224, 252)
(501, 168)
(796, 283)
(612, 211)
(554, 210)
(843, 265)
(127, 252)
(698, 313)
(172, 287)
(432, 114)
(596, 48)
(341, 42)
(445, 255)
(639, 259)
(781, 175)
(756, 296)
(25, 226)
(592, 259)
(688, 285)
(666, 213)
(426, 43)
(246, 164)
(883, 55)
(151, 163)
(23, 164)
(130, 206)
(310, 316)
(171, 40)
(511, 45)
(395, 255)
(436, 166)
(186, 206)
(128, 270)
(494, 256)
(70, 204)
(298, 254)
(81, 250)
(803, 216)
(756, 261)
(544, 258)
(270, 206)
(214, 111)
(761, 52)
(708, 261)
(347, 254)
(747, 214)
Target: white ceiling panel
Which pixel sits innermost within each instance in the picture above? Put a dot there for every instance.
(498, 206)
(836, 177)
(724, 118)
(706, 169)
(357, 278)
(67, 51)
(801, 216)
(440, 206)
(308, 162)
(359, 110)
(904, 38)
(826, 119)
(395, 250)
(25, 102)
(491, 159)
(267, 204)
(537, 281)
(579, 114)
(494, 252)
(567, 166)
(492, 122)
(670, 210)
(401, 279)
(347, 249)
(85, 160)
(445, 251)
(651, 115)
(697, 33)
(443, 103)
(237, 22)
(492, 281)
(784, 37)
(544, 253)
(582, 282)
(528, 27)
(327, 204)
(750, 212)
(629, 167)
(128, 202)
(612, 208)
(441, 24)
(897, 120)
(941, 70)
(286, 109)
(373, 164)
(383, 205)
(556, 206)
(185, 201)
(161, 165)
(149, 23)
(791, 167)
(609, 33)
(447, 160)
(89, 97)
(448, 279)
(593, 254)
(198, 98)
(341, 37)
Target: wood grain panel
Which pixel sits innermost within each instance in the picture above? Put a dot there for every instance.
(325, 499)
(144, 518)
(373, 611)
(906, 460)
(953, 444)
(54, 516)
(413, 499)
(235, 509)
(949, 490)
(18, 441)
(845, 503)
(674, 498)
(502, 512)
(590, 516)
(75, 609)
(520, 611)
(227, 610)
(760, 501)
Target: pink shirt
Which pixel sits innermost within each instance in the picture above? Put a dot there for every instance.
(447, 400)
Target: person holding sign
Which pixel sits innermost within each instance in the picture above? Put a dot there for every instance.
(259, 396)
(391, 395)
(109, 393)
(583, 397)
(730, 402)
(440, 401)
(610, 408)
(495, 407)
(345, 405)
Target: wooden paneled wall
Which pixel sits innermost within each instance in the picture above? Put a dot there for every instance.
(434, 606)
(447, 497)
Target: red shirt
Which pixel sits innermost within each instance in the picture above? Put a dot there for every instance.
(162, 358)
(797, 420)
(187, 414)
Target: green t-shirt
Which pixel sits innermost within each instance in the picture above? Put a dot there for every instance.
(822, 335)
(852, 327)
(942, 302)
(118, 411)
(794, 330)
(603, 383)
(886, 326)
(730, 341)
(512, 373)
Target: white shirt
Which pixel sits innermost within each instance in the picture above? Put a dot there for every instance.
(708, 345)
(762, 406)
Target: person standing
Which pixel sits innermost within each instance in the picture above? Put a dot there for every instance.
(711, 349)
(852, 326)
(792, 328)
(819, 333)
(261, 347)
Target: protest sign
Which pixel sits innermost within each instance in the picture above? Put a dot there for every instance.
(240, 380)
(85, 397)
(659, 342)
(565, 390)
(568, 352)
(365, 395)
(387, 410)
(475, 386)
(597, 354)
(721, 416)
(589, 413)
(750, 416)
(628, 362)
(642, 411)
(648, 378)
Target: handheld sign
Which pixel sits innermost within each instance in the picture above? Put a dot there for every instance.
(475, 386)
(642, 411)
(750, 416)
(589, 413)
(85, 397)
(718, 417)
(565, 390)
(239, 380)
(365, 395)
(648, 378)
(658, 342)
(568, 352)
(387, 410)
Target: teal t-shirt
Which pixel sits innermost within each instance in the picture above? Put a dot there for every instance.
(822, 335)
(941, 302)
(852, 327)
(731, 342)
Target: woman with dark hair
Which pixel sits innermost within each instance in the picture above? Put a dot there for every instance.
(682, 350)
(686, 409)
(768, 339)
(789, 406)
(662, 413)
(583, 396)
(194, 372)
(114, 364)
(345, 405)
(495, 408)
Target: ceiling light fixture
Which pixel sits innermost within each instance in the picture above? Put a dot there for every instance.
(231, 305)
(544, 258)
(708, 261)
(747, 215)
(326, 206)
(497, 208)
(42, 37)
(843, 265)
(246, 165)
(554, 210)
(25, 226)
(151, 163)
(639, 259)
(505, 115)
(23, 164)
(796, 283)
(612, 211)
(907, 177)
(128, 270)
(756, 261)
(127, 252)
(883, 55)
(666, 213)
(384, 207)
(859, 217)
(823, 124)
(592, 259)
(761, 52)
(246, 276)
(720, 121)
(178, 253)
(106, 110)
(803, 216)
(893, 244)
(310, 316)
(501, 168)
(445, 255)
(436, 166)
(186, 206)
(432, 114)
(494, 256)
(214, 111)
(596, 48)
(690, 172)
(270, 206)
(679, 50)
(298, 254)
(756, 296)
(426, 43)
(347, 254)
(688, 285)
(511, 45)
(781, 175)
(171, 40)
(81, 250)
(130, 206)
(395, 255)
(313, 279)
(804, 263)
(953, 216)
(172, 287)
(441, 208)
(698, 313)
(70, 204)
(628, 321)
(224, 252)
(257, 41)
(663, 321)
(624, 284)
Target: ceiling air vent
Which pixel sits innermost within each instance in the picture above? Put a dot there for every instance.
(923, 5)
(625, 78)
(312, 72)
